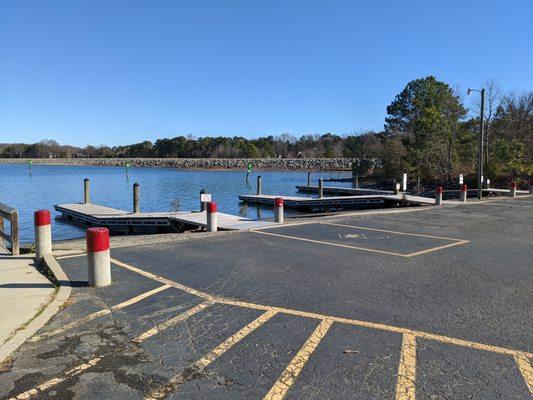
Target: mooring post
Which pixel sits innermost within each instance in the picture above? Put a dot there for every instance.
(136, 206)
(212, 224)
(43, 233)
(278, 210)
(321, 188)
(463, 194)
(309, 179)
(438, 195)
(357, 181)
(86, 191)
(259, 185)
(98, 259)
(512, 192)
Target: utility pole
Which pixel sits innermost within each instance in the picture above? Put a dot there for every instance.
(481, 148)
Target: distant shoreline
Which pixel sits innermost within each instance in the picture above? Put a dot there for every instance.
(240, 164)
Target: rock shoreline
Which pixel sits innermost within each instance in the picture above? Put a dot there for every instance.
(281, 164)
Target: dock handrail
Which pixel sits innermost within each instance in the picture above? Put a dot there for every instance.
(12, 215)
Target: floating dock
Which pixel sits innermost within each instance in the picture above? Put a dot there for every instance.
(150, 222)
(338, 202)
(341, 191)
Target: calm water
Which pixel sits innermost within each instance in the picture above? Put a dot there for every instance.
(161, 190)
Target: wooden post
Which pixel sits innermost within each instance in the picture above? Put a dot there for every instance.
(15, 245)
(357, 181)
(86, 192)
(259, 185)
(321, 188)
(309, 179)
(136, 207)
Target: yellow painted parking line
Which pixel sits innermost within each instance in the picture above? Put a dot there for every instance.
(446, 246)
(72, 325)
(56, 381)
(405, 386)
(100, 313)
(214, 354)
(288, 377)
(389, 231)
(524, 365)
(162, 280)
(171, 322)
(331, 244)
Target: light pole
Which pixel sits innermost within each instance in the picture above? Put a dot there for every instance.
(480, 149)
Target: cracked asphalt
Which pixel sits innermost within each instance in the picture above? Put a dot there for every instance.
(432, 304)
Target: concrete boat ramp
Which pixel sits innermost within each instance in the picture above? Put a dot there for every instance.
(151, 222)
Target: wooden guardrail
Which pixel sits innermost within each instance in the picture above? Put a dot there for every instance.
(12, 215)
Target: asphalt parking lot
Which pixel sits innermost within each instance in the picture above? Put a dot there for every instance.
(432, 304)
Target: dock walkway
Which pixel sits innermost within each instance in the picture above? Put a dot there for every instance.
(155, 222)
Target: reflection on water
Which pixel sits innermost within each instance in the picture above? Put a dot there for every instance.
(32, 187)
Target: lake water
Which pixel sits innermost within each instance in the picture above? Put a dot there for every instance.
(161, 190)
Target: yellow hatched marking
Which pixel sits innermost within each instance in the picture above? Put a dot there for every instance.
(100, 313)
(80, 368)
(55, 381)
(214, 354)
(405, 387)
(171, 322)
(366, 324)
(288, 377)
(524, 365)
(233, 340)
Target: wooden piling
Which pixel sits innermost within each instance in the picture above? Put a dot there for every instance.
(259, 185)
(86, 191)
(136, 206)
(321, 188)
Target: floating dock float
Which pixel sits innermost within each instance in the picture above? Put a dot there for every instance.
(120, 221)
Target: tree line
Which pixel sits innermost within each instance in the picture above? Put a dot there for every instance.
(428, 133)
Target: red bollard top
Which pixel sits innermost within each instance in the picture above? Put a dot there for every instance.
(97, 239)
(464, 188)
(42, 217)
(278, 202)
(212, 207)
(439, 190)
(513, 185)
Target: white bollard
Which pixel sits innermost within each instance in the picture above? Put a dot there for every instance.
(278, 210)
(464, 194)
(212, 225)
(98, 259)
(512, 193)
(43, 233)
(438, 195)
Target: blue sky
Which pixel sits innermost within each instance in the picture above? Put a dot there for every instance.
(118, 72)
